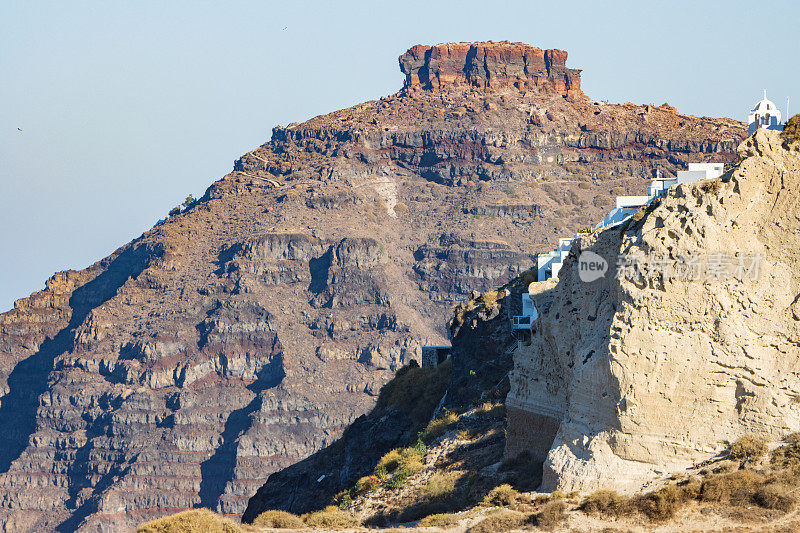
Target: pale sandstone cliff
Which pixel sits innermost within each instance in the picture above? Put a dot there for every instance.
(626, 379)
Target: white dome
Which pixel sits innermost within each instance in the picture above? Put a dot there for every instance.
(764, 115)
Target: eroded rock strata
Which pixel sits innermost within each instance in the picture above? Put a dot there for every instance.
(247, 332)
(651, 369)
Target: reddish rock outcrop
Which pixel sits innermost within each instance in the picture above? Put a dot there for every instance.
(490, 65)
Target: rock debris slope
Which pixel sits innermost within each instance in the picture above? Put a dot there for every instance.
(647, 371)
(248, 331)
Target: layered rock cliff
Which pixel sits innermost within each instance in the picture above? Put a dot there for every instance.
(688, 342)
(245, 333)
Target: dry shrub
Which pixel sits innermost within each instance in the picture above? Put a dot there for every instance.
(400, 207)
(440, 486)
(711, 186)
(367, 484)
(491, 410)
(489, 300)
(409, 464)
(748, 448)
(606, 502)
(502, 495)
(662, 504)
(791, 131)
(331, 518)
(278, 520)
(438, 426)
(523, 471)
(192, 521)
(551, 515)
(416, 392)
(441, 520)
(775, 496)
(499, 522)
(390, 461)
(735, 488)
(788, 455)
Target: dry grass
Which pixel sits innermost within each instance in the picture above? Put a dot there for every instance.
(489, 300)
(331, 518)
(551, 515)
(748, 448)
(438, 426)
(605, 502)
(501, 496)
(279, 520)
(192, 521)
(440, 520)
(788, 455)
(440, 486)
(711, 186)
(367, 484)
(416, 392)
(499, 522)
(775, 496)
(390, 461)
(791, 132)
(491, 410)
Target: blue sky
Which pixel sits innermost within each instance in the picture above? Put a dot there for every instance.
(128, 107)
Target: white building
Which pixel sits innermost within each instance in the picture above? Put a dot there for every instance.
(764, 115)
(548, 265)
(528, 316)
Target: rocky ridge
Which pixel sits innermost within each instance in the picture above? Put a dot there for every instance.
(652, 369)
(245, 333)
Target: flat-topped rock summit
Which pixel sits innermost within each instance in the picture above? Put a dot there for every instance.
(492, 65)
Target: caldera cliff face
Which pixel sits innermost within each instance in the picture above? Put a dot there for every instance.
(248, 331)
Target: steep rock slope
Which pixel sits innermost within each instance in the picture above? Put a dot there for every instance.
(247, 332)
(658, 365)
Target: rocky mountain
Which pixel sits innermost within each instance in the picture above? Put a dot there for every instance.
(689, 345)
(246, 332)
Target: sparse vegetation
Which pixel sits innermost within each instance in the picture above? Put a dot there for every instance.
(791, 132)
(711, 186)
(605, 502)
(331, 518)
(440, 486)
(440, 520)
(550, 515)
(278, 520)
(748, 448)
(416, 392)
(489, 300)
(499, 522)
(501, 496)
(491, 410)
(192, 521)
(438, 426)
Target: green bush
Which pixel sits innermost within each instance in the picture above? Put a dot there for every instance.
(278, 520)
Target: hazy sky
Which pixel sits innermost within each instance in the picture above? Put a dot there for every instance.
(128, 107)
